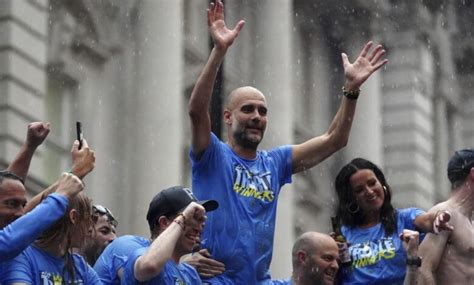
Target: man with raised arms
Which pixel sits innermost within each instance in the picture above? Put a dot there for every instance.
(246, 181)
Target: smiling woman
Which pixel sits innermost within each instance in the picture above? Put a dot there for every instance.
(372, 226)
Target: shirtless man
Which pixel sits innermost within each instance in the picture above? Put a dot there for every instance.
(448, 257)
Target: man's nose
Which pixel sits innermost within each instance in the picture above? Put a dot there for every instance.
(112, 237)
(335, 265)
(19, 212)
(256, 116)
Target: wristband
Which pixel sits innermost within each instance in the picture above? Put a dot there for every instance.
(414, 261)
(182, 223)
(350, 94)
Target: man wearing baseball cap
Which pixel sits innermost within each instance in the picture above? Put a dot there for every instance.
(176, 220)
(448, 256)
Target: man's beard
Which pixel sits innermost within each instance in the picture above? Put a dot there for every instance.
(92, 252)
(244, 141)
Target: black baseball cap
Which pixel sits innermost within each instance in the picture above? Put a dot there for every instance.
(173, 200)
(460, 164)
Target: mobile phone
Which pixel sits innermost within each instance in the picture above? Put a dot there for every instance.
(79, 133)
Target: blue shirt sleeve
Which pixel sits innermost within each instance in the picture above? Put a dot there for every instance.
(129, 268)
(407, 217)
(283, 156)
(18, 235)
(213, 143)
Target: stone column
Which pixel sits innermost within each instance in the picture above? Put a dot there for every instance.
(272, 75)
(23, 42)
(407, 121)
(468, 126)
(157, 161)
(441, 140)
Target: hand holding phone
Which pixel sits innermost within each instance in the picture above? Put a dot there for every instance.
(79, 133)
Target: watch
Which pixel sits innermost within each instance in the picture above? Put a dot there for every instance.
(414, 261)
(350, 94)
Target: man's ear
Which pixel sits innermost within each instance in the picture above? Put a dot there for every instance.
(471, 175)
(163, 222)
(301, 257)
(73, 216)
(227, 117)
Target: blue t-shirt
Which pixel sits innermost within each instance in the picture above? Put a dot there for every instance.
(34, 266)
(240, 232)
(115, 256)
(376, 258)
(18, 235)
(171, 274)
(282, 282)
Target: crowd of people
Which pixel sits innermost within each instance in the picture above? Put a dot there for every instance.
(222, 231)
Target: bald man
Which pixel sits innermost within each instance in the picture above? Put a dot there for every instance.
(247, 181)
(315, 258)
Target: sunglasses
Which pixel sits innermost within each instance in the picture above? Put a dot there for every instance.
(101, 210)
(11, 175)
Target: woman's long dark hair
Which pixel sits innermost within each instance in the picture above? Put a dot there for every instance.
(348, 211)
(63, 229)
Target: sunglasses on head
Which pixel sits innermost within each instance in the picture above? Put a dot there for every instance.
(11, 175)
(101, 210)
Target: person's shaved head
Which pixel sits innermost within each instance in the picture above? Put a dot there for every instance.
(245, 92)
(245, 115)
(315, 257)
(310, 242)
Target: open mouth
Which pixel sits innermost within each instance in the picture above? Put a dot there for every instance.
(330, 275)
(372, 198)
(193, 238)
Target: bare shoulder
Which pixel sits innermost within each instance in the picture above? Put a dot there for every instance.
(446, 205)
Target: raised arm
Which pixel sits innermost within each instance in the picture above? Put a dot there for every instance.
(36, 134)
(410, 240)
(434, 222)
(83, 162)
(315, 150)
(18, 235)
(161, 250)
(198, 107)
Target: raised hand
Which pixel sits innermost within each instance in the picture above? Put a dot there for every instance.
(441, 222)
(367, 63)
(194, 215)
(222, 36)
(83, 160)
(410, 241)
(69, 185)
(37, 133)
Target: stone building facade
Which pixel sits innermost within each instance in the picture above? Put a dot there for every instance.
(126, 69)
